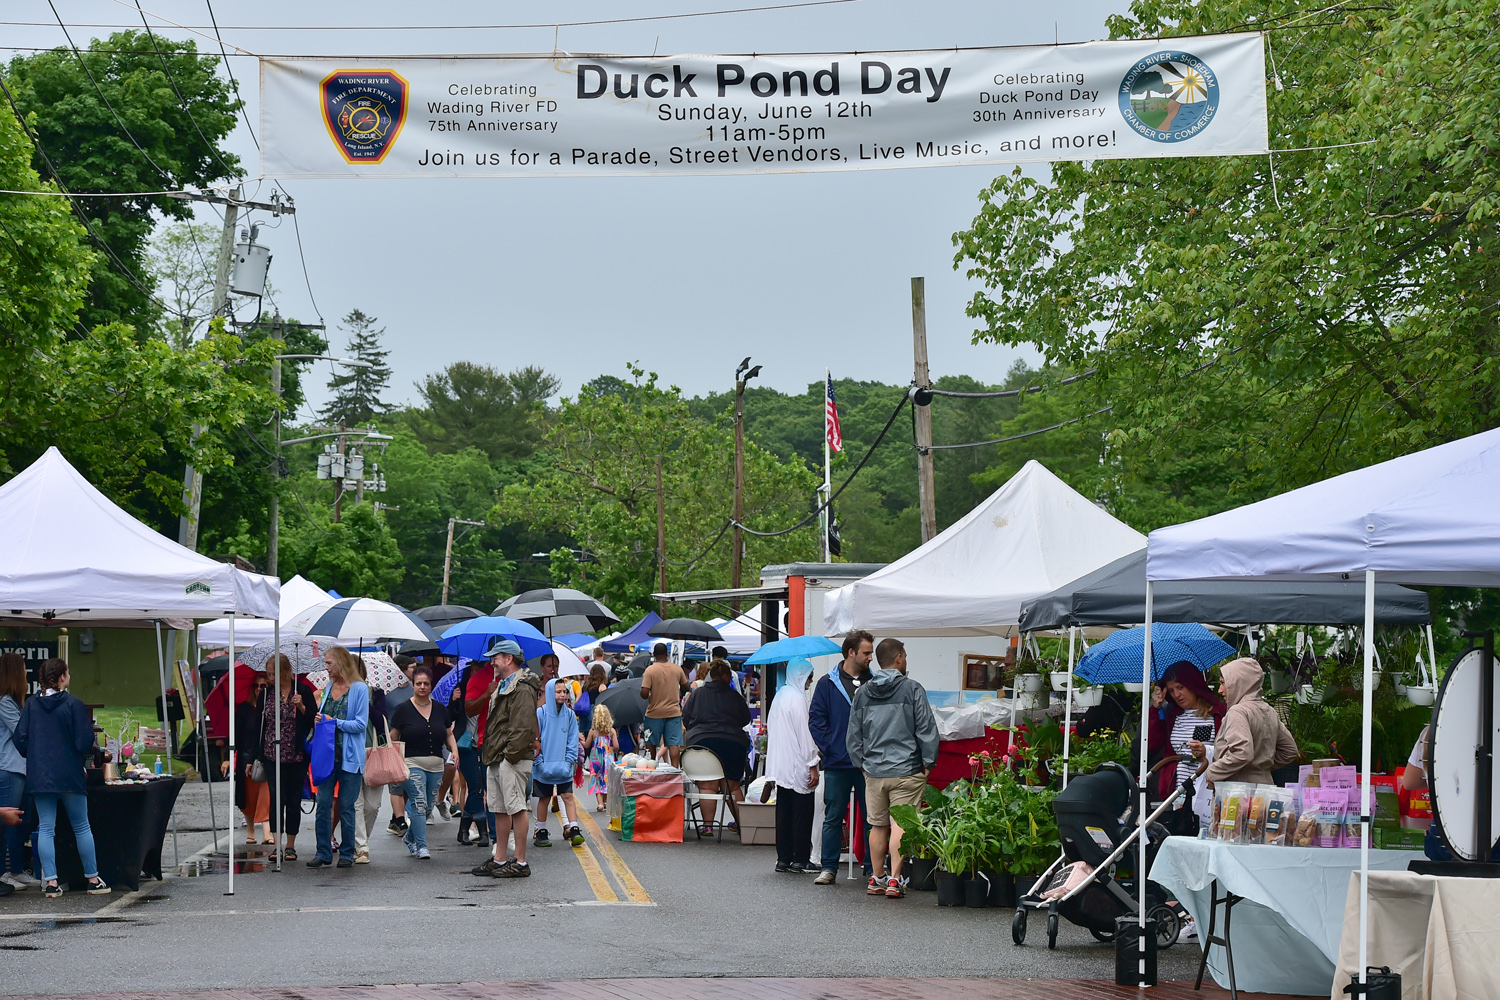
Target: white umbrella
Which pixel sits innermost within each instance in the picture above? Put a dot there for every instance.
(305, 654)
(568, 663)
(361, 618)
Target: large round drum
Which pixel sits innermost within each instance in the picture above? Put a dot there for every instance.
(1451, 766)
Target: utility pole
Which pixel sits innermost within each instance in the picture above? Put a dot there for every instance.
(926, 488)
(661, 541)
(273, 529)
(743, 374)
(448, 552)
(192, 479)
(338, 485)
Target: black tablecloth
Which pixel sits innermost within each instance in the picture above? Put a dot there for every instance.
(129, 823)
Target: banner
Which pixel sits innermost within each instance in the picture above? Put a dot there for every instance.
(547, 116)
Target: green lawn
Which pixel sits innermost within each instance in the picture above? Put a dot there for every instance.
(129, 717)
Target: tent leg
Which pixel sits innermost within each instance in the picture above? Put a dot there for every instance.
(1429, 676)
(166, 725)
(1140, 862)
(203, 755)
(1068, 709)
(279, 816)
(232, 749)
(1365, 796)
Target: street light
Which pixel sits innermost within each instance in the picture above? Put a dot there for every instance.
(743, 374)
(274, 530)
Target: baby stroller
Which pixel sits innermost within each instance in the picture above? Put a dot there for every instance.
(1097, 819)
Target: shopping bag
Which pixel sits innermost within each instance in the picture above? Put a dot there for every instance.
(320, 748)
(385, 764)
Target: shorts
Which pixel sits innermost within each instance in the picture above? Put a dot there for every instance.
(666, 732)
(882, 793)
(505, 786)
(733, 756)
(542, 790)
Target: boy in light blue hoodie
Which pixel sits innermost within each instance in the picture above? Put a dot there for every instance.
(552, 771)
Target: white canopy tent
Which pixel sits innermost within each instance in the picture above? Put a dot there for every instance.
(73, 555)
(741, 634)
(1428, 519)
(297, 595)
(1033, 535)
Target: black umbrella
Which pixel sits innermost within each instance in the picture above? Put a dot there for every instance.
(686, 629)
(624, 702)
(558, 611)
(440, 616)
(418, 647)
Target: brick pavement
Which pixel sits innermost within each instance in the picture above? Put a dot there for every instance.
(715, 988)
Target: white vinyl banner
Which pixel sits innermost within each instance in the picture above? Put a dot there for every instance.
(518, 116)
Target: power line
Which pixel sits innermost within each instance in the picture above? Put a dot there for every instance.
(1006, 392)
(1015, 437)
(212, 147)
(228, 69)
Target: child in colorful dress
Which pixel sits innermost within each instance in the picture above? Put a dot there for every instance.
(602, 748)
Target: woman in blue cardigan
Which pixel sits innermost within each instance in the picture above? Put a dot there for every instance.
(347, 702)
(56, 736)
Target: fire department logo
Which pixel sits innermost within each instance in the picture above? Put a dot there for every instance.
(364, 110)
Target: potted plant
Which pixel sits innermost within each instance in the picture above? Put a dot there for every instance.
(918, 842)
(1037, 841)
(1060, 680)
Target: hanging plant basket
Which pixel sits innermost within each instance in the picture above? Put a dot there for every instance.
(1423, 696)
(1088, 697)
(1281, 682)
(1060, 680)
(1309, 695)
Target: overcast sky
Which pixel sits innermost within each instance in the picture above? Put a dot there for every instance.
(686, 275)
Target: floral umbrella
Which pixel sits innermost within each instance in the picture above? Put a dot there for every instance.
(305, 654)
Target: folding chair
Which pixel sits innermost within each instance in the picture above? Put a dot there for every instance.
(699, 764)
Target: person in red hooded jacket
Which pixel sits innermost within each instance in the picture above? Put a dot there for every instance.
(1182, 707)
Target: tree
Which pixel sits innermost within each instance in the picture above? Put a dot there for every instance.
(1262, 322)
(468, 405)
(356, 391)
(179, 269)
(77, 103)
(357, 556)
(599, 486)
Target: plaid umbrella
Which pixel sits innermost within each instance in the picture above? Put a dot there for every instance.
(558, 611)
(305, 654)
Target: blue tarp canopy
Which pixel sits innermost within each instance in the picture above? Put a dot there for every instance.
(634, 636)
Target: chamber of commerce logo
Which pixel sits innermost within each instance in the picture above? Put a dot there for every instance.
(364, 110)
(1169, 96)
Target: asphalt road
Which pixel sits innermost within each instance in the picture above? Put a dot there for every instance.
(609, 909)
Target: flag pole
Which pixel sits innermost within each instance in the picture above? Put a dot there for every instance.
(827, 468)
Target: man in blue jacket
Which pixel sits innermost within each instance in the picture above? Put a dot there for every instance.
(828, 719)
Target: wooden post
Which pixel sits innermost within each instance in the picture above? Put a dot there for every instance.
(448, 559)
(926, 488)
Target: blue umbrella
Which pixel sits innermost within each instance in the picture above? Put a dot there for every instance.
(1118, 658)
(798, 646)
(473, 637)
(444, 690)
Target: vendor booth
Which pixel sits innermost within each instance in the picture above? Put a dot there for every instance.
(1426, 519)
(72, 555)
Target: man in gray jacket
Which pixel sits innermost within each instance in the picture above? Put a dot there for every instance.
(893, 739)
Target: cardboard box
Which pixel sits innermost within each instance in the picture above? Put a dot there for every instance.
(758, 823)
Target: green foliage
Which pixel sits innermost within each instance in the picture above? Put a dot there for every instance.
(598, 485)
(468, 405)
(1255, 333)
(356, 391)
(358, 556)
(1086, 755)
(80, 135)
(918, 838)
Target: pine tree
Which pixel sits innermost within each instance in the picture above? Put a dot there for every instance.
(356, 391)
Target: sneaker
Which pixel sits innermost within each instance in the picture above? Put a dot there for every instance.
(826, 877)
(1190, 929)
(513, 869)
(423, 854)
(97, 887)
(876, 886)
(487, 869)
(52, 890)
(12, 881)
(784, 869)
(442, 810)
(362, 856)
(806, 868)
(22, 879)
(895, 887)
(347, 863)
(411, 848)
(541, 838)
(575, 837)
(397, 826)
(318, 863)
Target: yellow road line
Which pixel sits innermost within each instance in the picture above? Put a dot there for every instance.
(628, 881)
(603, 891)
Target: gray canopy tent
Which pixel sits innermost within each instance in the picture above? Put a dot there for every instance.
(1115, 594)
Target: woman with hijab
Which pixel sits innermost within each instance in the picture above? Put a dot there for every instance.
(792, 763)
(1253, 741)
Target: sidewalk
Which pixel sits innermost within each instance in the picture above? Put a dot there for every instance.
(716, 989)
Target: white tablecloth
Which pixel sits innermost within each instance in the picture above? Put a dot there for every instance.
(1439, 933)
(1286, 931)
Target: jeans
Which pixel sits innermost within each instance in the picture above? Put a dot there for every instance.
(77, 805)
(474, 776)
(420, 790)
(349, 783)
(794, 816)
(13, 838)
(838, 782)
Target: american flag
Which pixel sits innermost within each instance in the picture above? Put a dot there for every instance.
(831, 414)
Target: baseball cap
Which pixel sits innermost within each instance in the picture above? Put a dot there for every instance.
(503, 645)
